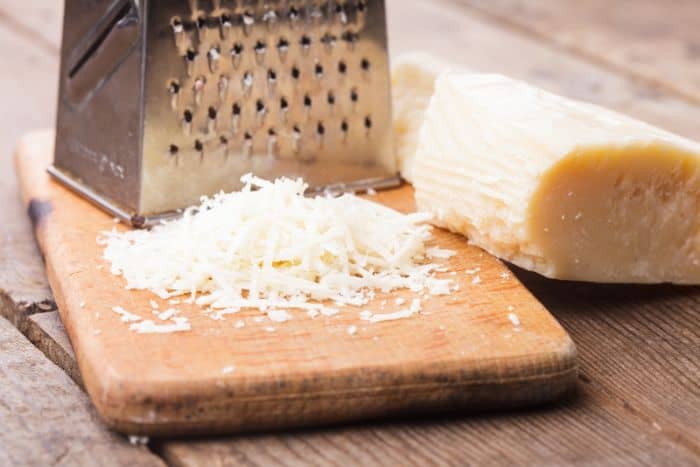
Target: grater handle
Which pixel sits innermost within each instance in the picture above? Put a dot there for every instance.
(100, 52)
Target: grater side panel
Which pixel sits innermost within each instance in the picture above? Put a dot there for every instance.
(98, 129)
(215, 128)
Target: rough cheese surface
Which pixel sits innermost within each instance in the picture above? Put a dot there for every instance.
(564, 188)
(413, 76)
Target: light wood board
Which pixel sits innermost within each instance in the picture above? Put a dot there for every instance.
(462, 351)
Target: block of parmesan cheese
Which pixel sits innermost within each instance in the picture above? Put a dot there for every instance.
(564, 188)
(413, 76)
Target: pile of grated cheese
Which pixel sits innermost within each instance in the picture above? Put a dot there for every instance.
(270, 247)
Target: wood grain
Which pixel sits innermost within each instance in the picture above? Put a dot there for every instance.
(655, 329)
(592, 430)
(462, 351)
(658, 42)
(28, 103)
(455, 33)
(537, 437)
(46, 419)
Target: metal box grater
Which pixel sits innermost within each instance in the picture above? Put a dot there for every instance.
(163, 101)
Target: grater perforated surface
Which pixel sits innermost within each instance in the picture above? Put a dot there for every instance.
(163, 101)
(275, 87)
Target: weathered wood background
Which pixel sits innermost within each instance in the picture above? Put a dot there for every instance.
(639, 396)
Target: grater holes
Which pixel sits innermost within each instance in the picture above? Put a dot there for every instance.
(296, 73)
(344, 126)
(329, 41)
(225, 20)
(201, 22)
(305, 42)
(318, 70)
(283, 45)
(173, 149)
(237, 49)
(176, 24)
(247, 82)
(260, 47)
(187, 116)
(223, 140)
(236, 109)
(174, 87)
(320, 129)
(284, 104)
(365, 64)
(211, 112)
(198, 145)
(342, 67)
(190, 55)
(307, 101)
(350, 38)
(293, 13)
(361, 6)
(270, 17)
(271, 76)
(330, 98)
(354, 96)
(368, 122)
(247, 18)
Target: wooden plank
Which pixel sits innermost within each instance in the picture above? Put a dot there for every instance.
(589, 431)
(309, 371)
(452, 32)
(47, 420)
(46, 332)
(29, 99)
(658, 42)
(656, 326)
(487, 48)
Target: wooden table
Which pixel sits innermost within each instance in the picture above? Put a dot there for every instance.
(639, 391)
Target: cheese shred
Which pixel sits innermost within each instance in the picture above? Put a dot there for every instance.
(270, 247)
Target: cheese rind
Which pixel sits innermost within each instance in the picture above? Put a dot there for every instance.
(560, 187)
(413, 76)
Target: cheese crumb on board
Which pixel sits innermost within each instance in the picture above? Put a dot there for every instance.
(401, 314)
(514, 319)
(270, 247)
(239, 324)
(440, 253)
(126, 316)
(167, 314)
(560, 187)
(138, 440)
(279, 316)
(227, 370)
(352, 330)
(82, 305)
(476, 280)
(147, 326)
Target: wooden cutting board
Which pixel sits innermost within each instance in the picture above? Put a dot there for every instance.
(461, 352)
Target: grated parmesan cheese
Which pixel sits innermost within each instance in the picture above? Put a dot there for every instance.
(279, 316)
(126, 316)
(352, 330)
(391, 316)
(147, 326)
(440, 253)
(270, 247)
(514, 319)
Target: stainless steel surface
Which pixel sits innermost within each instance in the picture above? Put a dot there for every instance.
(163, 101)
